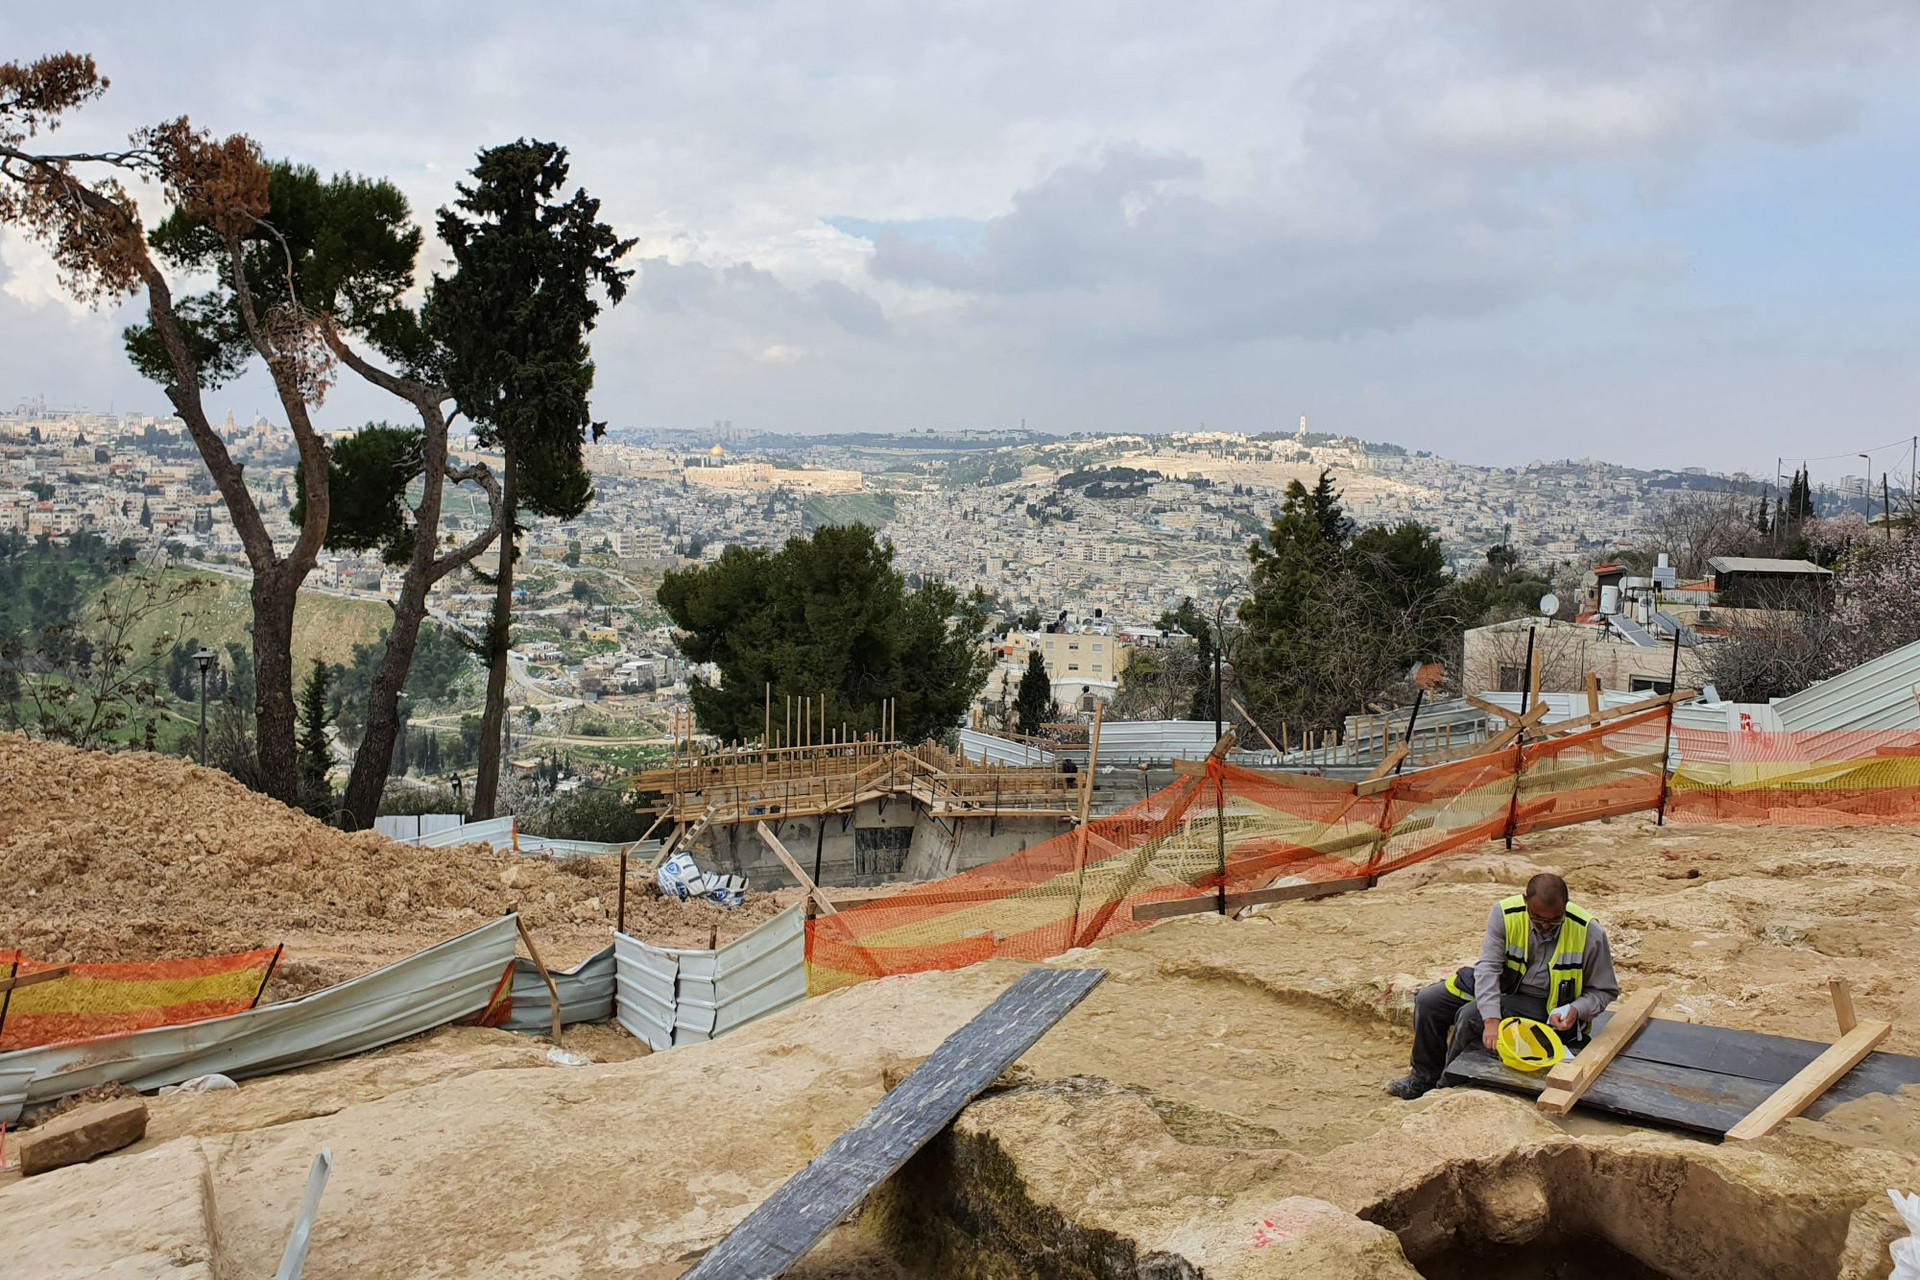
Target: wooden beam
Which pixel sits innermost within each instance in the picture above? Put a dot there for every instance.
(1251, 898)
(1248, 717)
(1492, 709)
(1506, 736)
(1593, 694)
(1842, 1004)
(553, 992)
(34, 979)
(1573, 1077)
(1387, 764)
(1799, 1093)
(806, 881)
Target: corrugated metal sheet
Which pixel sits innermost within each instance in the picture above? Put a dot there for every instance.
(497, 832)
(994, 749)
(1874, 695)
(1131, 741)
(746, 979)
(668, 997)
(586, 993)
(1566, 706)
(646, 980)
(439, 985)
(13, 1093)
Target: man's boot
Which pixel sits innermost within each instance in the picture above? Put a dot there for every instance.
(1410, 1086)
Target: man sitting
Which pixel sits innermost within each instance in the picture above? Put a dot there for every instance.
(1542, 958)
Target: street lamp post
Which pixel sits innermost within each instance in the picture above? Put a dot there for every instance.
(205, 659)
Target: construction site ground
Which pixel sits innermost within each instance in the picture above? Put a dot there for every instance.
(1213, 1108)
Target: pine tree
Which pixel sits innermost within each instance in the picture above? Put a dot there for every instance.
(1034, 706)
(316, 749)
(146, 515)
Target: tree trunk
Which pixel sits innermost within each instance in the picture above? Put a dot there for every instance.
(486, 782)
(372, 762)
(274, 595)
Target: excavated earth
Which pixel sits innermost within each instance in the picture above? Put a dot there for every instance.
(1213, 1109)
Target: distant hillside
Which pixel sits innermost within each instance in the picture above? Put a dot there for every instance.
(324, 626)
(870, 509)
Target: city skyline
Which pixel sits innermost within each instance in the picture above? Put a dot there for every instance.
(1666, 235)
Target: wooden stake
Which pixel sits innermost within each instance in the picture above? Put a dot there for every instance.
(1593, 694)
(1799, 1093)
(1573, 1077)
(553, 992)
(794, 868)
(1842, 1004)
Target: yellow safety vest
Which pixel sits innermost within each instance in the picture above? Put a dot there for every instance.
(1566, 972)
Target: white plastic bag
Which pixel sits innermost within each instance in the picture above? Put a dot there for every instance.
(1906, 1253)
(201, 1084)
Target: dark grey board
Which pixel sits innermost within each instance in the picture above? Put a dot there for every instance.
(1699, 1077)
(788, 1223)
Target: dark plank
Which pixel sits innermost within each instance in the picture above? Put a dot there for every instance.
(1249, 898)
(788, 1223)
(1706, 1101)
(1656, 1092)
(1772, 1059)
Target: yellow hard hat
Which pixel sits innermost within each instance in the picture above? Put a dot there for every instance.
(1526, 1045)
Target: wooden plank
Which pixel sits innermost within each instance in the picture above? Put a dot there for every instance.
(34, 979)
(1491, 708)
(1250, 898)
(1248, 717)
(1842, 1004)
(1305, 781)
(1385, 767)
(1593, 694)
(788, 1223)
(1571, 1078)
(553, 992)
(1700, 1077)
(1506, 736)
(1651, 1092)
(1821, 1074)
(793, 867)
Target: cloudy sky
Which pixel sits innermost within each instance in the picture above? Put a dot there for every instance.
(1657, 232)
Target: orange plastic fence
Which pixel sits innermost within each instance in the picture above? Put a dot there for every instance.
(1836, 778)
(95, 1000)
(1235, 828)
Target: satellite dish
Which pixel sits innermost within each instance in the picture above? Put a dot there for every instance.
(1549, 605)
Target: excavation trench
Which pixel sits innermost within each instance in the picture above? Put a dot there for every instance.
(1555, 1211)
(1578, 1211)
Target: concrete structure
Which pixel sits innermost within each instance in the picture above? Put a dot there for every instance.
(1496, 657)
(759, 477)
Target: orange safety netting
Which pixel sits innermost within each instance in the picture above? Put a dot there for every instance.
(1235, 829)
(1835, 778)
(93, 1000)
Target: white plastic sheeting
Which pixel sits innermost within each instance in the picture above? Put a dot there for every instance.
(442, 984)
(668, 997)
(586, 993)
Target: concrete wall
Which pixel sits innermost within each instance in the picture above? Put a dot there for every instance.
(895, 841)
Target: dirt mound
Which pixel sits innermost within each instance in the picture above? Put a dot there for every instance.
(135, 856)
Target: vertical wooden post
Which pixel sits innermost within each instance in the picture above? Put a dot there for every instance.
(1519, 744)
(1666, 740)
(620, 911)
